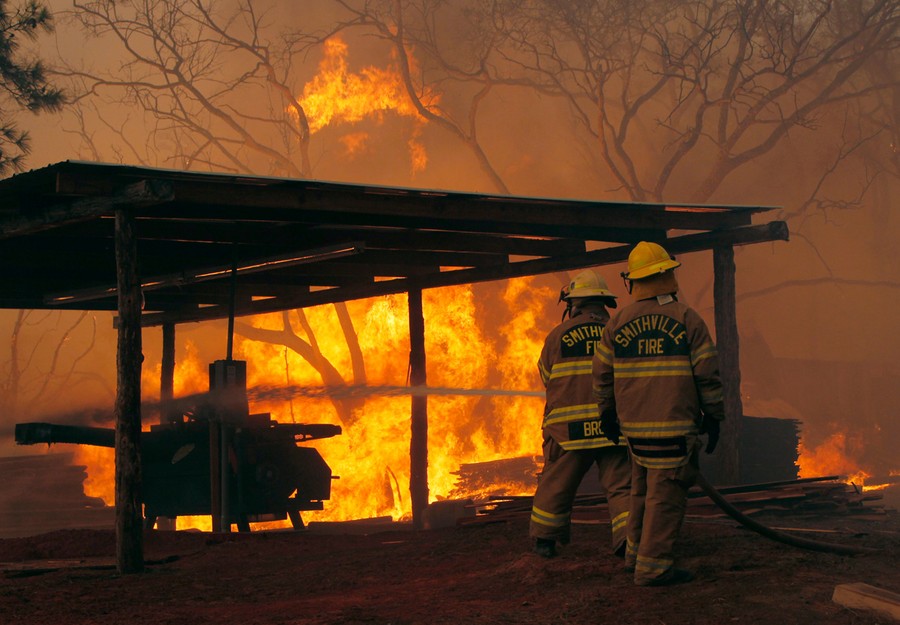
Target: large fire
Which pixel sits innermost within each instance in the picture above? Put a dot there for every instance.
(338, 96)
(372, 455)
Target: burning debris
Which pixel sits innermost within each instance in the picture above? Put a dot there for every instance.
(805, 497)
(497, 477)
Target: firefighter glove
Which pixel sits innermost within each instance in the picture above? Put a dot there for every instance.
(609, 425)
(710, 427)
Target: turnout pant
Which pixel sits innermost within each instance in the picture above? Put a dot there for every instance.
(658, 503)
(551, 514)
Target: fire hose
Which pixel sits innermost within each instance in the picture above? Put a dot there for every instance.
(768, 532)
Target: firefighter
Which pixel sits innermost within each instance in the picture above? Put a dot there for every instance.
(572, 440)
(656, 382)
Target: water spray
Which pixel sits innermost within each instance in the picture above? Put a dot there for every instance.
(353, 391)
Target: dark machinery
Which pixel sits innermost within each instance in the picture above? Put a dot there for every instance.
(262, 475)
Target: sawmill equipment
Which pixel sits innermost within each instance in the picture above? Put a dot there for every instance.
(255, 467)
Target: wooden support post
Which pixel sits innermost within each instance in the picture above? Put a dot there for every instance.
(224, 478)
(129, 516)
(167, 373)
(418, 446)
(728, 344)
(215, 475)
(166, 394)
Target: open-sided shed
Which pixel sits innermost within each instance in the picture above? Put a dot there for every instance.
(162, 247)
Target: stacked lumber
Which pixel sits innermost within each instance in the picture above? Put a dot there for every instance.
(44, 493)
(496, 477)
(818, 496)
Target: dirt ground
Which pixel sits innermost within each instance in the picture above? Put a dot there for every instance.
(480, 573)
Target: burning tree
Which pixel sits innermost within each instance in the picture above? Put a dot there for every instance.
(784, 102)
(669, 101)
(646, 100)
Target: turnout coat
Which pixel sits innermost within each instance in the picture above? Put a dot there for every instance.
(570, 412)
(657, 367)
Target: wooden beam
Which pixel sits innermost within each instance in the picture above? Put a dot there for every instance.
(181, 233)
(129, 516)
(636, 228)
(413, 239)
(772, 231)
(141, 193)
(194, 275)
(288, 200)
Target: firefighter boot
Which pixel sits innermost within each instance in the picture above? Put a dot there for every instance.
(545, 547)
(673, 576)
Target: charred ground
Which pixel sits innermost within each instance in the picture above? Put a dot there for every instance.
(480, 573)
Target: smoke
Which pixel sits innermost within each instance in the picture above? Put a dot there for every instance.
(816, 314)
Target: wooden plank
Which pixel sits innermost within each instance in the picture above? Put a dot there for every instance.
(860, 596)
(397, 206)
(141, 193)
(776, 230)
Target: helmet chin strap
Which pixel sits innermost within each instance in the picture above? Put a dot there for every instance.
(563, 292)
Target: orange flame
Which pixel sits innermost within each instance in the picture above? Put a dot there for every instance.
(371, 457)
(190, 377)
(834, 456)
(335, 95)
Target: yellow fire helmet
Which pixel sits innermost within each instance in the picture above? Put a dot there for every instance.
(588, 283)
(648, 259)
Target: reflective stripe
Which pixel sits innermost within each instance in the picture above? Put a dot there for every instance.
(654, 368)
(564, 369)
(661, 463)
(566, 414)
(666, 437)
(659, 429)
(631, 550)
(545, 375)
(542, 517)
(619, 521)
(707, 350)
(587, 443)
(655, 566)
(603, 354)
(603, 392)
(653, 448)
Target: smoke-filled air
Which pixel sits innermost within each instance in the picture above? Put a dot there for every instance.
(789, 104)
